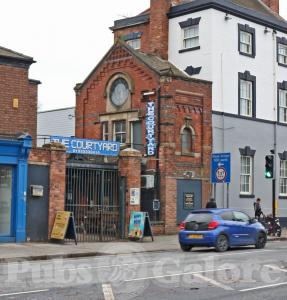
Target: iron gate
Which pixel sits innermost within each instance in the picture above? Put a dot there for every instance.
(92, 195)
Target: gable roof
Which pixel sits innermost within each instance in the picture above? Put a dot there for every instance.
(160, 66)
(8, 53)
(253, 10)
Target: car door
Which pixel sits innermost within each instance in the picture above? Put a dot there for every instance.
(231, 228)
(245, 230)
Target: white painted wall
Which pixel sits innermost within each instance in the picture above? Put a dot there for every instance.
(221, 61)
(55, 122)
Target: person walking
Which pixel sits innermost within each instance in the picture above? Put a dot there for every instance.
(211, 203)
(257, 208)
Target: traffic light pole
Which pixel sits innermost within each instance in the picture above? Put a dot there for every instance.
(273, 198)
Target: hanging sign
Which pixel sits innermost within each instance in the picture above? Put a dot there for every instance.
(150, 128)
(64, 226)
(85, 146)
(139, 225)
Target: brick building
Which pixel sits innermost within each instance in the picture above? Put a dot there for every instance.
(18, 110)
(146, 103)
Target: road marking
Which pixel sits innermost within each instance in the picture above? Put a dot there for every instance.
(275, 268)
(108, 292)
(176, 274)
(109, 266)
(214, 282)
(247, 252)
(263, 287)
(21, 293)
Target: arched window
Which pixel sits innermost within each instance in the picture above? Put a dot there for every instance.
(186, 140)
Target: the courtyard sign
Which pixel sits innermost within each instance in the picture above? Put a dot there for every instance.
(150, 129)
(85, 146)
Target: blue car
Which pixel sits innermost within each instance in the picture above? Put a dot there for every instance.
(221, 229)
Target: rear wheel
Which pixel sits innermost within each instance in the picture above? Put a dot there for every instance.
(185, 248)
(261, 240)
(222, 243)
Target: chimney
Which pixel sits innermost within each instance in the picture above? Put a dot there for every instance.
(159, 27)
(273, 4)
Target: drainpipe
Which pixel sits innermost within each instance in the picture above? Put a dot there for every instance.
(274, 179)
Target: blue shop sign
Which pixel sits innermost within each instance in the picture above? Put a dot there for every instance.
(85, 146)
(150, 129)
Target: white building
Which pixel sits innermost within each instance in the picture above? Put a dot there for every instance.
(55, 122)
(241, 46)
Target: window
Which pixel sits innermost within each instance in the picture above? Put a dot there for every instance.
(247, 94)
(136, 135)
(135, 43)
(190, 37)
(105, 131)
(186, 140)
(240, 216)
(245, 98)
(283, 178)
(246, 175)
(119, 131)
(282, 103)
(282, 54)
(246, 40)
(227, 216)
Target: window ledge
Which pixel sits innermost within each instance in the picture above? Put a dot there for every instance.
(189, 49)
(252, 55)
(282, 197)
(246, 196)
(282, 65)
(191, 154)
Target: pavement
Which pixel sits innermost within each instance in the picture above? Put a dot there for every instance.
(45, 251)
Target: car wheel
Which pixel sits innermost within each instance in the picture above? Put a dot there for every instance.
(185, 248)
(221, 243)
(261, 241)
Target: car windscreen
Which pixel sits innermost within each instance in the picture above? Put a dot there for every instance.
(199, 217)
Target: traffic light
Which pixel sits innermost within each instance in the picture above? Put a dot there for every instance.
(269, 166)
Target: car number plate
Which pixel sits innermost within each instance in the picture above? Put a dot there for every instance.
(195, 236)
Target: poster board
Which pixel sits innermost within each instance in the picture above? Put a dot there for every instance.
(139, 226)
(64, 226)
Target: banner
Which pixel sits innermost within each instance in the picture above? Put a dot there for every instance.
(85, 146)
(150, 128)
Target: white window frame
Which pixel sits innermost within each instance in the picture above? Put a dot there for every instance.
(282, 54)
(282, 106)
(134, 43)
(246, 101)
(191, 37)
(283, 178)
(105, 131)
(246, 44)
(121, 132)
(247, 174)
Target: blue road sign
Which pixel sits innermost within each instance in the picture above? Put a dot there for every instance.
(220, 168)
(85, 146)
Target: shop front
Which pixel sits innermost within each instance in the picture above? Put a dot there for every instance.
(13, 184)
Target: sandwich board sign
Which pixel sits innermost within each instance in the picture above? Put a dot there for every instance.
(64, 226)
(139, 226)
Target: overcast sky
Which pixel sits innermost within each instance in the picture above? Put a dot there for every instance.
(67, 38)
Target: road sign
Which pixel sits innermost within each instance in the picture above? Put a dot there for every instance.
(220, 168)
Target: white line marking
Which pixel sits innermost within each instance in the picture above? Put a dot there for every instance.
(275, 268)
(263, 287)
(20, 293)
(108, 266)
(177, 274)
(247, 252)
(108, 292)
(214, 282)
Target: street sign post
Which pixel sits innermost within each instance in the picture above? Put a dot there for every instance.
(221, 171)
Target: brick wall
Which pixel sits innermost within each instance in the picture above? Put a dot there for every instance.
(273, 4)
(14, 84)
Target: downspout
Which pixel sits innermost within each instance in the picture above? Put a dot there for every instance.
(274, 180)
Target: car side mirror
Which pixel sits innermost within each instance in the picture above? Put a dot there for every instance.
(253, 221)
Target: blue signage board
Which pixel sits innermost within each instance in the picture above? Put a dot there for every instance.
(220, 168)
(85, 146)
(137, 223)
(150, 129)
